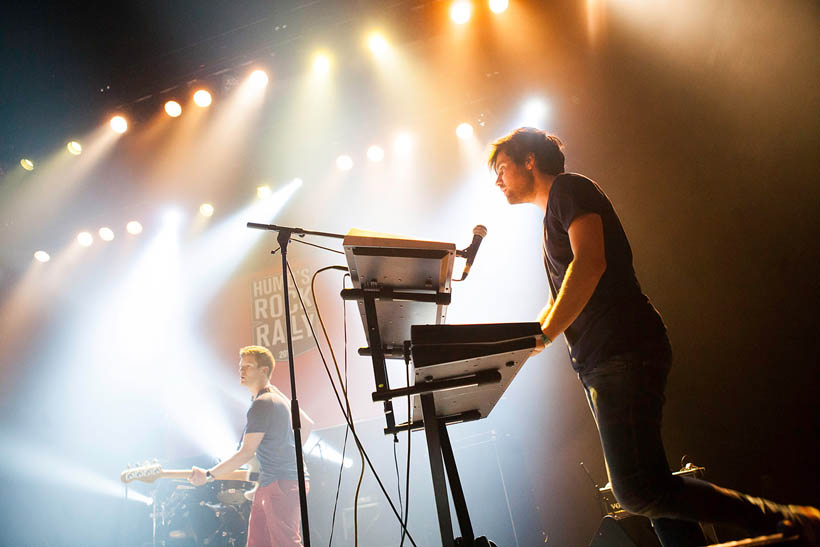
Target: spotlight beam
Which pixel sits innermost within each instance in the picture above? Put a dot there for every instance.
(36, 463)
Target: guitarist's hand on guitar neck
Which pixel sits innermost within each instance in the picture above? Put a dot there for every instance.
(198, 476)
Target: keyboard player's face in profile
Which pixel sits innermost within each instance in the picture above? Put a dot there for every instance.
(516, 181)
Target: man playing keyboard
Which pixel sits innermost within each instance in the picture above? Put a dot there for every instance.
(618, 346)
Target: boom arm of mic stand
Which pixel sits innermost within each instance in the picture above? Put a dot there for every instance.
(298, 231)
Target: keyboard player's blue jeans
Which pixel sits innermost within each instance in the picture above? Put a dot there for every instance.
(626, 396)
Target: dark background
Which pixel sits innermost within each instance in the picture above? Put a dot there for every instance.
(700, 120)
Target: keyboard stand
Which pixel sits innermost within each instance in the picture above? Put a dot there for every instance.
(398, 283)
(438, 448)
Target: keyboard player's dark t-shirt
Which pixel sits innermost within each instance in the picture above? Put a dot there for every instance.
(618, 317)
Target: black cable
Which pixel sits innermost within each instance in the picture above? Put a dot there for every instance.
(347, 428)
(343, 384)
(349, 414)
(358, 441)
(338, 487)
(407, 473)
(398, 477)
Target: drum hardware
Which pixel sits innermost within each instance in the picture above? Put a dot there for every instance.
(214, 515)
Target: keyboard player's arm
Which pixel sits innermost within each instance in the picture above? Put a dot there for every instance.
(545, 311)
(542, 316)
(586, 237)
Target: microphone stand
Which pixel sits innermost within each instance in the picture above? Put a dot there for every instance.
(283, 237)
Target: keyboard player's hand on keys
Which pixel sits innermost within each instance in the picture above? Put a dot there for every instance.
(539, 346)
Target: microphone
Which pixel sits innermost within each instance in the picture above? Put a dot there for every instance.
(469, 253)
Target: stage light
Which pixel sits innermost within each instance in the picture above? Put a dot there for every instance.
(378, 45)
(464, 131)
(42, 463)
(27, 164)
(119, 124)
(499, 6)
(74, 148)
(173, 109)
(534, 112)
(375, 153)
(42, 256)
(106, 233)
(172, 217)
(258, 79)
(134, 228)
(263, 192)
(321, 64)
(202, 98)
(461, 11)
(85, 239)
(206, 210)
(344, 162)
(297, 182)
(403, 144)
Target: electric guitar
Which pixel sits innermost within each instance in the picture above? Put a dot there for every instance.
(149, 472)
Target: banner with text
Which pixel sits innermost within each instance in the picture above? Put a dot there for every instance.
(268, 313)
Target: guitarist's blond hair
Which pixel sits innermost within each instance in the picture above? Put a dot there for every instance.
(262, 356)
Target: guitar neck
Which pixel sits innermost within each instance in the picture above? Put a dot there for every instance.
(238, 475)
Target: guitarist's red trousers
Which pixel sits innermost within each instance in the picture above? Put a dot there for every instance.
(275, 516)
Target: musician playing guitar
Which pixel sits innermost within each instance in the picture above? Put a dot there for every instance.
(274, 518)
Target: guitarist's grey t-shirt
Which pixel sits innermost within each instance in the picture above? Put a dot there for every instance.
(270, 414)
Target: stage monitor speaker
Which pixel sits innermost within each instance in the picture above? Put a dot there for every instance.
(633, 531)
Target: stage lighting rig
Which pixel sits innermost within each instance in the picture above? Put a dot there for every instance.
(134, 228)
(85, 239)
(403, 144)
(499, 6)
(375, 153)
(263, 192)
(378, 45)
(321, 64)
(344, 163)
(173, 109)
(461, 11)
(464, 131)
(119, 124)
(202, 98)
(258, 79)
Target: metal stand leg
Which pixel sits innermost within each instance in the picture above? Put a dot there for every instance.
(457, 492)
(283, 238)
(379, 366)
(432, 430)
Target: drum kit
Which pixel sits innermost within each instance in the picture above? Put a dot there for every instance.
(215, 514)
